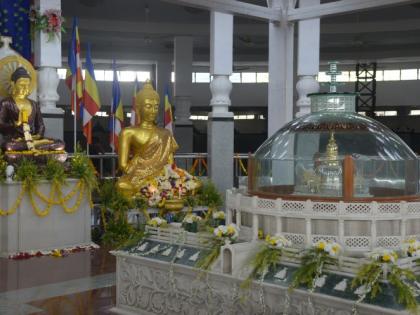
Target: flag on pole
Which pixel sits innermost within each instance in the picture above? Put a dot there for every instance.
(91, 102)
(134, 120)
(74, 79)
(117, 111)
(167, 119)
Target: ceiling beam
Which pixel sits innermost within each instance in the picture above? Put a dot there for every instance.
(233, 7)
(340, 7)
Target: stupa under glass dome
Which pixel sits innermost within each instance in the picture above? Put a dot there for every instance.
(334, 153)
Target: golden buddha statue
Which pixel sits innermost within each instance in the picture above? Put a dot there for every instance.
(144, 150)
(21, 123)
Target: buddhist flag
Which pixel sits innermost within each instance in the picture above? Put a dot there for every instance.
(91, 102)
(117, 111)
(134, 120)
(167, 119)
(74, 79)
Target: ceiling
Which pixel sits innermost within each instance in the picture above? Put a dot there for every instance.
(144, 30)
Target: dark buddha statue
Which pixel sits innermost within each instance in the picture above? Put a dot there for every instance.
(21, 122)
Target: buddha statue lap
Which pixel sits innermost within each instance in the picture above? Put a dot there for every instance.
(144, 150)
(21, 123)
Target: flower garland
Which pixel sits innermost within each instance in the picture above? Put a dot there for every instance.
(222, 235)
(50, 200)
(267, 258)
(313, 261)
(50, 22)
(383, 264)
(54, 253)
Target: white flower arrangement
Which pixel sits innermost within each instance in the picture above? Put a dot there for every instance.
(219, 215)
(331, 248)
(156, 222)
(277, 241)
(411, 248)
(191, 218)
(384, 255)
(230, 231)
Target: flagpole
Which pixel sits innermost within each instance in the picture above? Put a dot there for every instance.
(75, 114)
(113, 133)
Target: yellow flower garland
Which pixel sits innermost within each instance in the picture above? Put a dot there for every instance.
(16, 204)
(55, 198)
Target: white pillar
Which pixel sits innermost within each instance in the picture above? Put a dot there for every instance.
(183, 58)
(48, 58)
(308, 59)
(280, 67)
(163, 78)
(220, 123)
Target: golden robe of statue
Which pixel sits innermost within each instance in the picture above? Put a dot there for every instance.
(145, 149)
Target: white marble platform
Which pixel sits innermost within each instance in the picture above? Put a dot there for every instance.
(24, 231)
(144, 286)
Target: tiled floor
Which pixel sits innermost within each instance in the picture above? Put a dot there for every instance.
(81, 283)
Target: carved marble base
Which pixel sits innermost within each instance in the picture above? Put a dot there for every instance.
(144, 286)
(24, 231)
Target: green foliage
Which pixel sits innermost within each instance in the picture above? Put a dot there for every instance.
(81, 167)
(207, 196)
(311, 267)
(54, 171)
(369, 275)
(3, 166)
(205, 262)
(119, 233)
(405, 293)
(27, 171)
(141, 203)
(265, 260)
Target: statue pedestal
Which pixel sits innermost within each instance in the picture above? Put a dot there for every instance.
(25, 231)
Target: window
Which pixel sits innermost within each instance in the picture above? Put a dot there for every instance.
(392, 75)
(172, 77)
(143, 75)
(352, 76)
(202, 77)
(409, 74)
(343, 77)
(193, 77)
(99, 75)
(109, 75)
(323, 77)
(126, 76)
(235, 77)
(362, 113)
(128, 115)
(249, 77)
(414, 112)
(386, 113)
(101, 114)
(262, 77)
(379, 75)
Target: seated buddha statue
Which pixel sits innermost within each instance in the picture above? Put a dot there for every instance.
(144, 150)
(21, 123)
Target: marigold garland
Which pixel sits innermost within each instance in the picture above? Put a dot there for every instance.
(55, 198)
(16, 204)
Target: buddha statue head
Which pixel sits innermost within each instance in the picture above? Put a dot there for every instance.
(147, 103)
(20, 84)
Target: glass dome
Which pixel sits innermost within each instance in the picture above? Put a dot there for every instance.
(334, 153)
